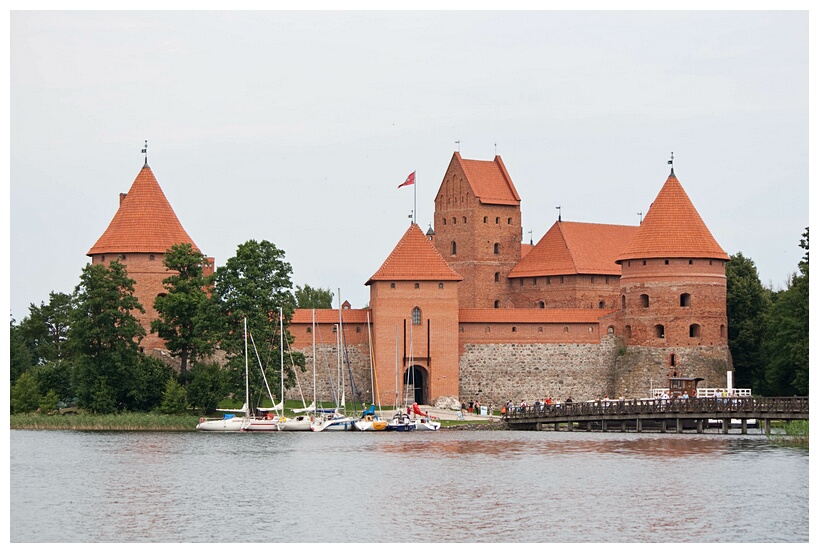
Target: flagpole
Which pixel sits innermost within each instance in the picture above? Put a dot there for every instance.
(414, 193)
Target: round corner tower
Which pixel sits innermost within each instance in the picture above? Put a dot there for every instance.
(673, 289)
(142, 230)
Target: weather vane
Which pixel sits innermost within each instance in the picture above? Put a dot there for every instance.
(145, 151)
(641, 217)
(458, 142)
(671, 162)
(558, 214)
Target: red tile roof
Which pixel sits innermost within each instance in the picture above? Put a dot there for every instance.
(489, 180)
(531, 315)
(144, 223)
(414, 258)
(576, 248)
(672, 228)
(325, 316)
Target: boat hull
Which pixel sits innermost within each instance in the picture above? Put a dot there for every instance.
(233, 424)
(261, 425)
(427, 425)
(297, 424)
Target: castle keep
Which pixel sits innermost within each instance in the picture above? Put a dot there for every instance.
(467, 311)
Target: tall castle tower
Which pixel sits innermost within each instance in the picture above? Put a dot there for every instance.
(142, 230)
(673, 284)
(414, 302)
(478, 229)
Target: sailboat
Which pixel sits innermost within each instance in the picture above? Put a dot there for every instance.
(307, 415)
(400, 421)
(424, 420)
(230, 422)
(369, 420)
(335, 420)
(272, 417)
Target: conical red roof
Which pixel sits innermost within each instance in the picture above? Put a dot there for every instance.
(144, 223)
(414, 258)
(672, 228)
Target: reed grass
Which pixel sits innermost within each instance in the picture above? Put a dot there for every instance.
(120, 421)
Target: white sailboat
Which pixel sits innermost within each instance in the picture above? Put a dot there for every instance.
(272, 417)
(230, 422)
(369, 421)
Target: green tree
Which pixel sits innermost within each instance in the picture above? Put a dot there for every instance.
(183, 317)
(25, 394)
(20, 360)
(747, 305)
(174, 400)
(207, 387)
(48, 403)
(313, 298)
(786, 343)
(57, 376)
(254, 284)
(149, 383)
(45, 329)
(105, 335)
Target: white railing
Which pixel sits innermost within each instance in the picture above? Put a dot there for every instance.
(707, 392)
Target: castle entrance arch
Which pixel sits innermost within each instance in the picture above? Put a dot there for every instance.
(416, 384)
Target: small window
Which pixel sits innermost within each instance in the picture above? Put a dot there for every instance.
(151, 257)
(548, 280)
(685, 300)
(485, 218)
(601, 305)
(561, 280)
(464, 219)
(659, 331)
(673, 360)
(358, 330)
(392, 285)
(514, 329)
(534, 281)
(622, 302)
(591, 279)
(694, 331)
(444, 220)
(607, 280)
(416, 315)
(610, 330)
(497, 304)
(440, 286)
(509, 221)
(565, 329)
(542, 305)
(461, 328)
(103, 258)
(666, 261)
(497, 277)
(454, 248)
(497, 220)
(690, 261)
(644, 261)
(486, 329)
(417, 285)
(540, 329)
(454, 221)
(496, 248)
(644, 300)
(722, 331)
(309, 330)
(122, 257)
(628, 331)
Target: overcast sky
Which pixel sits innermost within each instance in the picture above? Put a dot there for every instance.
(297, 128)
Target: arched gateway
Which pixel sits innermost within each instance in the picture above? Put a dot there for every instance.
(416, 385)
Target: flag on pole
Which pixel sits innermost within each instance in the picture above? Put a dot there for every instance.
(410, 180)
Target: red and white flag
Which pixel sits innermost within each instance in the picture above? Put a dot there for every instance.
(410, 180)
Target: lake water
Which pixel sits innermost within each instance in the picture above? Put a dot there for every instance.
(447, 486)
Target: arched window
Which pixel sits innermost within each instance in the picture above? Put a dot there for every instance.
(673, 360)
(454, 248)
(685, 300)
(497, 277)
(659, 331)
(416, 315)
(623, 301)
(722, 331)
(485, 218)
(497, 304)
(496, 248)
(644, 300)
(628, 331)
(464, 219)
(610, 330)
(514, 329)
(151, 257)
(542, 305)
(497, 220)
(694, 331)
(509, 221)
(601, 305)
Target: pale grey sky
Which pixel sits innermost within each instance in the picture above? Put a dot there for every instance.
(297, 127)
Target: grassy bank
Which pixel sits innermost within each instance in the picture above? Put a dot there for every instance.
(795, 433)
(87, 421)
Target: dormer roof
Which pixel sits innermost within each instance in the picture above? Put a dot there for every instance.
(489, 180)
(144, 223)
(414, 258)
(575, 248)
(672, 228)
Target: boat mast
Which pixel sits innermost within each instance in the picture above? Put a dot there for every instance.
(313, 333)
(247, 382)
(373, 379)
(397, 393)
(281, 352)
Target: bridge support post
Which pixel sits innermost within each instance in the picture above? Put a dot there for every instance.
(767, 426)
(622, 426)
(539, 426)
(557, 426)
(744, 426)
(726, 425)
(639, 425)
(700, 425)
(603, 425)
(662, 426)
(570, 426)
(679, 425)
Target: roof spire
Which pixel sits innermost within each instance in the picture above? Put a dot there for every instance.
(671, 163)
(559, 216)
(145, 151)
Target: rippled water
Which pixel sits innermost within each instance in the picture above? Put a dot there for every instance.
(446, 486)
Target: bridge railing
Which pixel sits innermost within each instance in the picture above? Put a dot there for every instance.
(707, 406)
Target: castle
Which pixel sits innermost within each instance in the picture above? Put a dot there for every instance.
(467, 311)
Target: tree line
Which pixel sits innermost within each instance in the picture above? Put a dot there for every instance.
(767, 329)
(83, 348)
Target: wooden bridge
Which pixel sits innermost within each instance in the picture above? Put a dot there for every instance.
(665, 415)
